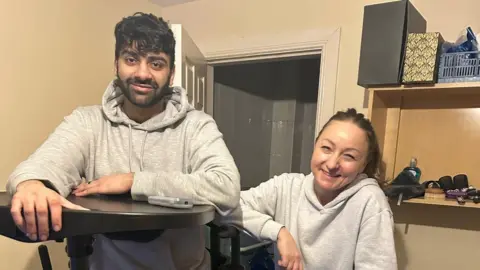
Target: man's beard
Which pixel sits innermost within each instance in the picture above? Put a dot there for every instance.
(158, 92)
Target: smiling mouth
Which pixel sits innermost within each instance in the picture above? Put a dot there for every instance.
(145, 88)
(331, 175)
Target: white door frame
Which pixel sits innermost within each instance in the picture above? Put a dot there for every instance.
(325, 42)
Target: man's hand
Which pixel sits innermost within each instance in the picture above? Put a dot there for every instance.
(112, 184)
(291, 258)
(37, 201)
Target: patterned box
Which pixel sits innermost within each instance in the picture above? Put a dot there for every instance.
(422, 55)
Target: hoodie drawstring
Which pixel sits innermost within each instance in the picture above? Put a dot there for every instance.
(130, 147)
(143, 148)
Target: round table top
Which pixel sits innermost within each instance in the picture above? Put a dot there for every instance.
(109, 214)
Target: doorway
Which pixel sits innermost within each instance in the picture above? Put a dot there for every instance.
(266, 110)
(233, 57)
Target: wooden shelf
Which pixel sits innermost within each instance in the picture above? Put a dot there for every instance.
(439, 124)
(466, 86)
(442, 202)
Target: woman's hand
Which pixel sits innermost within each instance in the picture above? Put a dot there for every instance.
(291, 258)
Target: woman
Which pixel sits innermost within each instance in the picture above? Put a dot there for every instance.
(337, 217)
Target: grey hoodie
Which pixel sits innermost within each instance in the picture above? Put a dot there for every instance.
(179, 153)
(355, 229)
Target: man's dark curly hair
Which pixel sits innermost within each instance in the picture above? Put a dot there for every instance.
(147, 33)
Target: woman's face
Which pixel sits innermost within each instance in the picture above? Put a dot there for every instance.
(340, 154)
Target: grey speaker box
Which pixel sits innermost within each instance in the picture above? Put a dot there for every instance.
(384, 34)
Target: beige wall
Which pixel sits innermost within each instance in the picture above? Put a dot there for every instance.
(56, 55)
(436, 237)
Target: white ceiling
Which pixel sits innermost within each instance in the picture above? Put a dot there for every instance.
(166, 3)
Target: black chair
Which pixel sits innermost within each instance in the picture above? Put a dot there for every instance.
(218, 260)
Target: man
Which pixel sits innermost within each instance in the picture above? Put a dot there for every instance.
(144, 139)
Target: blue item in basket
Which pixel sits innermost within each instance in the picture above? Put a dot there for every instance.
(460, 61)
(469, 43)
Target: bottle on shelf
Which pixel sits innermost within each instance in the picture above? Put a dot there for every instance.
(414, 169)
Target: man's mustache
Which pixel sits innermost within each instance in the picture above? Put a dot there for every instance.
(149, 82)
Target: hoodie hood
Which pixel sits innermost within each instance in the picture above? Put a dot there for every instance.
(176, 109)
(351, 189)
